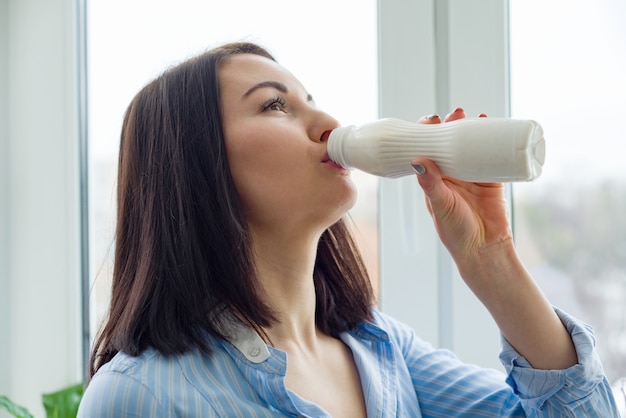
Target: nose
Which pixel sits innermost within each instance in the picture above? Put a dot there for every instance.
(320, 126)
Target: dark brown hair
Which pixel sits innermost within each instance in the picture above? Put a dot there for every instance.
(182, 245)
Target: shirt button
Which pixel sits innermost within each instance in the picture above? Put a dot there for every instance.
(254, 351)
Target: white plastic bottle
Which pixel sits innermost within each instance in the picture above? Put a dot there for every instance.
(470, 149)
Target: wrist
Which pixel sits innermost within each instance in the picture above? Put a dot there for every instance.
(493, 270)
(499, 254)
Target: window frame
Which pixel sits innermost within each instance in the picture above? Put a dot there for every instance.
(40, 294)
(433, 57)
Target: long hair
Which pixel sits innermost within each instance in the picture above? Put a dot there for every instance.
(182, 245)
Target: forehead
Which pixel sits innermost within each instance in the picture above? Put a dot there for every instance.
(240, 72)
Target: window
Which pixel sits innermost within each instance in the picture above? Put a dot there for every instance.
(568, 60)
(337, 66)
(568, 224)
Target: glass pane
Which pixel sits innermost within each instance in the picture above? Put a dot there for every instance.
(132, 42)
(568, 60)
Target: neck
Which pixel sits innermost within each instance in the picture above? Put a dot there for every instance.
(285, 270)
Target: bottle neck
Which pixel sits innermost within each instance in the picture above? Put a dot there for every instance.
(336, 142)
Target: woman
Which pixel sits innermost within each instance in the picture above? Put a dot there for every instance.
(238, 291)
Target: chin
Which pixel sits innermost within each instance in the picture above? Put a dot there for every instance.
(345, 205)
(353, 196)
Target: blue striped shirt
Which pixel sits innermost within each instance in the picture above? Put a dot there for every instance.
(401, 376)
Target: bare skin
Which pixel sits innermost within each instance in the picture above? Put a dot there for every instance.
(326, 375)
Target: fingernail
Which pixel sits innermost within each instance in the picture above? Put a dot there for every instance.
(457, 109)
(419, 169)
(433, 116)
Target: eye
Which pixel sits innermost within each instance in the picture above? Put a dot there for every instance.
(276, 103)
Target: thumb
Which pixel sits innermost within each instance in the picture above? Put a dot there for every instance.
(430, 180)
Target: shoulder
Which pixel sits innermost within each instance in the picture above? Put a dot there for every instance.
(121, 388)
(400, 334)
(396, 329)
(147, 368)
(389, 323)
(150, 384)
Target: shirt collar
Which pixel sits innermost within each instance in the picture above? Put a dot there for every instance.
(244, 338)
(370, 331)
(247, 341)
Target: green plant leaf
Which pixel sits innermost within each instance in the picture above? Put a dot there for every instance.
(13, 408)
(63, 403)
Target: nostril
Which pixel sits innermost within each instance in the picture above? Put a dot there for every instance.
(325, 135)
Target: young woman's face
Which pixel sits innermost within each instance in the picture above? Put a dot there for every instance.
(276, 144)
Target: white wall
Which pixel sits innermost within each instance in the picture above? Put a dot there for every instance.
(40, 277)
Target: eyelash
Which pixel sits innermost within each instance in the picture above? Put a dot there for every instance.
(276, 100)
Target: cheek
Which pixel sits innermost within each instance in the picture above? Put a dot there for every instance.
(251, 146)
(265, 149)
(261, 169)
(249, 157)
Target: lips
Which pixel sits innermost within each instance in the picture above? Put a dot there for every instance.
(334, 164)
(327, 161)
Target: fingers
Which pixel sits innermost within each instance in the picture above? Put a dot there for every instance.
(439, 200)
(456, 114)
(428, 174)
(430, 119)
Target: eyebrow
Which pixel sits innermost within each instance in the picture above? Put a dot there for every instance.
(271, 84)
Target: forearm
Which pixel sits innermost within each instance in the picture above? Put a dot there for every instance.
(525, 317)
